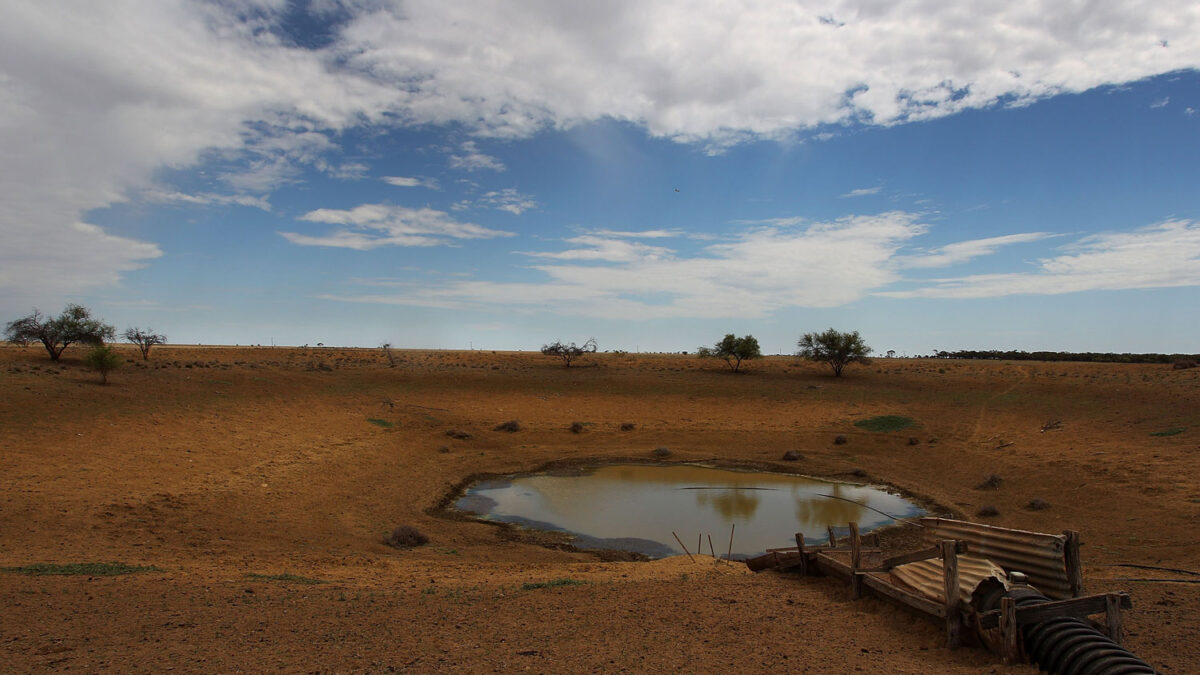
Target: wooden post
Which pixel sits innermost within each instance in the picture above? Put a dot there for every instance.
(855, 562)
(832, 536)
(950, 578)
(803, 557)
(1112, 614)
(1010, 632)
(689, 554)
(1074, 566)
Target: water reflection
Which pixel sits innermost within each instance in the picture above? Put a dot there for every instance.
(637, 506)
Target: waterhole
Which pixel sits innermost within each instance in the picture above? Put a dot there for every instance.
(636, 507)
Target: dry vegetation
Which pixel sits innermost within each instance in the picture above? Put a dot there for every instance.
(231, 471)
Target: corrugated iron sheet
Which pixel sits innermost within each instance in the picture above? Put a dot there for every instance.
(925, 577)
(1039, 556)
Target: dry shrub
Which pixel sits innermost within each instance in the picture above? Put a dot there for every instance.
(458, 434)
(987, 511)
(1037, 504)
(859, 473)
(406, 536)
(628, 426)
(577, 427)
(992, 482)
(840, 440)
(661, 453)
(792, 456)
(511, 426)
(913, 440)
(1184, 364)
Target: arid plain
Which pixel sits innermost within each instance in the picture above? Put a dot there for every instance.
(225, 468)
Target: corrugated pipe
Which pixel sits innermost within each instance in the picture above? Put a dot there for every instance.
(1068, 645)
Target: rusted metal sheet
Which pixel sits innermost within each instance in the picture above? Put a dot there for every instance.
(925, 577)
(1039, 556)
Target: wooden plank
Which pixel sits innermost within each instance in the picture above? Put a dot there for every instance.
(903, 596)
(917, 556)
(1010, 632)
(1073, 563)
(1076, 607)
(855, 562)
(950, 587)
(1112, 615)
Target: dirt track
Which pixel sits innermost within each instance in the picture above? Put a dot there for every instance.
(216, 463)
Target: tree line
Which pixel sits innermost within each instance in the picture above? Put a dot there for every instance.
(76, 325)
(1098, 357)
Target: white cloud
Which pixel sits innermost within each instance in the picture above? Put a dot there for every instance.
(1160, 256)
(862, 192)
(960, 252)
(204, 198)
(759, 271)
(411, 181)
(375, 225)
(472, 159)
(1161, 103)
(644, 234)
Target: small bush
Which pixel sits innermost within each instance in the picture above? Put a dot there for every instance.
(1184, 364)
(443, 449)
(380, 423)
(992, 482)
(913, 440)
(1173, 431)
(577, 427)
(792, 456)
(628, 426)
(840, 440)
(859, 473)
(406, 536)
(1037, 505)
(103, 360)
(987, 511)
(661, 453)
(458, 434)
(553, 583)
(511, 426)
(885, 423)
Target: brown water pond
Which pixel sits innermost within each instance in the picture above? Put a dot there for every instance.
(636, 507)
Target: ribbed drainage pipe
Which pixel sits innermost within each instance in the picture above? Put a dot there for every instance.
(1071, 646)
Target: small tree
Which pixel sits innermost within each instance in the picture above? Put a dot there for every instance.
(75, 324)
(733, 350)
(144, 339)
(836, 349)
(569, 353)
(386, 348)
(102, 359)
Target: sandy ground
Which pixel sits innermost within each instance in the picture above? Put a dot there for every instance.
(215, 464)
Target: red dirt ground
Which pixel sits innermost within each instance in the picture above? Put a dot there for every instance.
(214, 464)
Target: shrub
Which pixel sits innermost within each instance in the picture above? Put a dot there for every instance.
(577, 427)
(458, 434)
(885, 423)
(661, 453)
(511, 426)
(1037, 505)
(913, 440)
(628, 426)
(840, 440)
(987, 511)
(102, 359)
(992, 482)
(792, 456)
(1184, 364)
(406, 536)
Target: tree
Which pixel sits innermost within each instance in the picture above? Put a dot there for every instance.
(569, 353)
(75, 324)
(733, 350)
(144, 339)
(836, 349)
(102, 359)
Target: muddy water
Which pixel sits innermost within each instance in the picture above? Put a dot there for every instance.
(635, 507)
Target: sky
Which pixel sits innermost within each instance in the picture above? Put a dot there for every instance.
(654, 174)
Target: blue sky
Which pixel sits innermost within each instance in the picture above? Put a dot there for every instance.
(654, 174)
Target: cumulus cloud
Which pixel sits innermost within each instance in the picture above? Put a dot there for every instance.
(862, 192)
(204, 199)
(471, 159)
(411, 181)
(373, 225)
(1159, 256)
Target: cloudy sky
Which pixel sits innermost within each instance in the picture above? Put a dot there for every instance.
(992, 174)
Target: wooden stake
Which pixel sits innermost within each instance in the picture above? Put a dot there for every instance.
(729, 554)
(711, 550)
(800, 549)
(855, 562)
(1112, 614)
(832, 537)
(1073, 564)
(699, 541)
(689, 555)
(1010, 633)
(950, 579)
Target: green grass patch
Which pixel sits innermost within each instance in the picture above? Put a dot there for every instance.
(110, 569)
(553, 583)
(886, 423)
(1173, 431)
(290, 578)
(380, 423)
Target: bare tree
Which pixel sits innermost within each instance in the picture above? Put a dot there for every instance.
(569, 353)
(75, 324)
(387, 351)
(144, 339)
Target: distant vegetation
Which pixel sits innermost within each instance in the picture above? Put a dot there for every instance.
(144, 339)
(103, 360)
(74, 325)
(89, 569)
(885, 423)
(835, 348)
(733, 350)
(1099, 357)
(571, 352)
